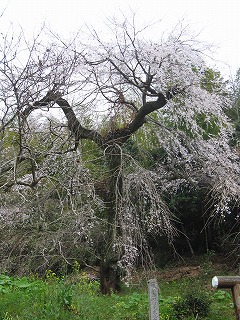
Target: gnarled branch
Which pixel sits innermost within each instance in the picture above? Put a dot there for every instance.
(73, 123)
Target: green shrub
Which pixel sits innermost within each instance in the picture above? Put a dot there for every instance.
(195, 304)
(132, 307)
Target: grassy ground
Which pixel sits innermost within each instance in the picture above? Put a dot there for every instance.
(183, 289)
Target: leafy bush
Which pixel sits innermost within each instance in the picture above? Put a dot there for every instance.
(222, 296)
(134, 307)
(195, 304)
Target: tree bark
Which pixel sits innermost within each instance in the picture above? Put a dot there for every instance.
(109, 277)
(109, 273)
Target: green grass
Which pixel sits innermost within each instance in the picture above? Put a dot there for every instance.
(77, 298)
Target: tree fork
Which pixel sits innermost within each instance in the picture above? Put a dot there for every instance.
(111, 145)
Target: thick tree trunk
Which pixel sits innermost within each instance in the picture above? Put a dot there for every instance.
(109, 275)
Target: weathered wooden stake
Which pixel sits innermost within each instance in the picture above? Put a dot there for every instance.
(153, 299)
(232, 283)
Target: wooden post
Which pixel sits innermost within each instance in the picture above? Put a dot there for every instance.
(153, 299)
(232, 283)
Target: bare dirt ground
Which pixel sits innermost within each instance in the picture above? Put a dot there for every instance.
(189, 268)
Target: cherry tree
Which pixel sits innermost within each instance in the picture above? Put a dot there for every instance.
(104, 92)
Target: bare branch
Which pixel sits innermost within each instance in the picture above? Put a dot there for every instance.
(74, 125)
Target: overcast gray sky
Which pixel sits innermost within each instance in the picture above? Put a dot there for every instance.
(217, 20)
